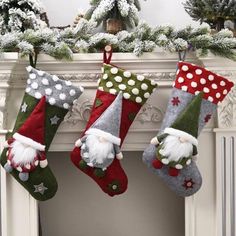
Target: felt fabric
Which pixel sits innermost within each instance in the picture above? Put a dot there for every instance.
(180, 129)
(32, 141)
(113, 180)
(188, 120)
(134, 87)
(35, 122)
(107, 162)
(173, 109)
(58, 92)
(42, 184)
(193, 79)
(101, 139)
(111, 116)
(181, 133)
(189, 180)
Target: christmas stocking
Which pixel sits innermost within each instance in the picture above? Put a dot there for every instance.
(45, 103)
(172, 154)
(119, 97)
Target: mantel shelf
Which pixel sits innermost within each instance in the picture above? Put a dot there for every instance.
(85, 70)
(207, 207)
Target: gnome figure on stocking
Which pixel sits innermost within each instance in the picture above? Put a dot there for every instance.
(178, 144)
(101, 142)
(26, 149)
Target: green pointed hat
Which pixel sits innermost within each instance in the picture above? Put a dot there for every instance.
(186, 125)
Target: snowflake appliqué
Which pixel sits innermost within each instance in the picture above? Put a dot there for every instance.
(207, 118)
(188, 183)
(175, 101)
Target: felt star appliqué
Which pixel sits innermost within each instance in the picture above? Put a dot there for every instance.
(40, 188)
(24, 107)
(207, 118)
(175, 101)
(188, 183)
(54, 120)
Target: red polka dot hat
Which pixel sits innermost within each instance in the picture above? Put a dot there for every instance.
(194, 79)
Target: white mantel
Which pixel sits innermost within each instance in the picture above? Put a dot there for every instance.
(210, 212)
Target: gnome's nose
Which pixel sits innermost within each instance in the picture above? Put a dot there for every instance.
(102, 139)
(182, 139)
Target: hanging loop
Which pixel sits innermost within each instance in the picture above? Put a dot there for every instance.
(182, 55)
(107, 54)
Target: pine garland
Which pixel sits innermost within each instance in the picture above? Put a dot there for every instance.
(19, 15)
(213, 12)
(61, 44)
(124, 10)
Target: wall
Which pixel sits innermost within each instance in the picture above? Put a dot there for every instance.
(80, 208)
(153, 11)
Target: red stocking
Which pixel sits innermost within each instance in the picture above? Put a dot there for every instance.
(134, 91)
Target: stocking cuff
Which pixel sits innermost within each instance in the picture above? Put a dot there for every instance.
(58, 92)
(133, 87)
(194, 79)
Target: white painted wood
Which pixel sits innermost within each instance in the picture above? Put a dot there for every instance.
(203, 211)
(225, 189)
(225, 170)
(4, 230)
(225, 151)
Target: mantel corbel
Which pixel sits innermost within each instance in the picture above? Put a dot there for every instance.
(227, 111)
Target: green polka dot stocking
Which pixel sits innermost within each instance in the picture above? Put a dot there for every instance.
(119, 97)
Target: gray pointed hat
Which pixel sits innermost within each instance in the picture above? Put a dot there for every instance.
(108, 124)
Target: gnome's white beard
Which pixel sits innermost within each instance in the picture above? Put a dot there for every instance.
(175, 150)
(98, 151)
(22, 154)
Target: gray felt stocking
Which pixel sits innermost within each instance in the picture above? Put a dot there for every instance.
(172, 153)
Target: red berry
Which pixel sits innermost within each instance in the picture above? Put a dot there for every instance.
(173, 172)
(157, 164)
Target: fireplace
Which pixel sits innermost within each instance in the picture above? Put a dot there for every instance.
(81, 208)
(148, 207)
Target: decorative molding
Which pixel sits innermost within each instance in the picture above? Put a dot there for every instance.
(3, 104)
(230, 74)
(227, 111)
(81, 112)
(85, 77)
(150, 113)
(93, 77)
(166, 76)
(5, 78)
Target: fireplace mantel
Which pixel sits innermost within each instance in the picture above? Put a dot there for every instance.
(210, 212)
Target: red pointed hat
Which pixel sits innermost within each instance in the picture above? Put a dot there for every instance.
(32, 131)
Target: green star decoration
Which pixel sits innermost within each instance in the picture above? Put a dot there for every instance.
(99, 173)
(54, 120)
(83, 165)
(98, 102)
(132, 116)
(40, 188)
